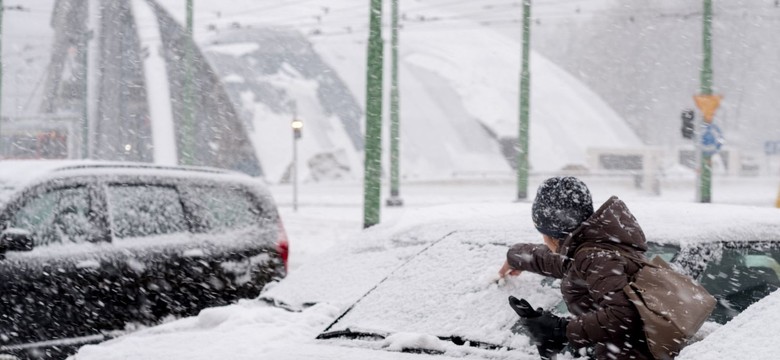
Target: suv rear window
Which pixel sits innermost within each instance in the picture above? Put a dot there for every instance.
(144, 210)
(222, 208)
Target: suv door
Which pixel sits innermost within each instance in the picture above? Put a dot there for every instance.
(56, 290)
(148, 223)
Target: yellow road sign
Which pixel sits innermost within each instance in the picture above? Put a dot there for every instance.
(707, 104)
(777, 202)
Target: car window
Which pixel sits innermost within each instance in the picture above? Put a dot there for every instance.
(740, 277)
(145, 210)
(221, 208)
(666, 252)
(57, 216)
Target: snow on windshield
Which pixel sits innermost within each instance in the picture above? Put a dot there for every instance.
(451, 289)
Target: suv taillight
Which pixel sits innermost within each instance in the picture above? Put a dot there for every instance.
(282, 244)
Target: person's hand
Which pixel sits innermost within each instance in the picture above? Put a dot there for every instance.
(507, 270)
(547, 331)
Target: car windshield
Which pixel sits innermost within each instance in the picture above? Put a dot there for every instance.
(450, 291)
(739, 276)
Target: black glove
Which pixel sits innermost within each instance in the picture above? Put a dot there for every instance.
(547, 331)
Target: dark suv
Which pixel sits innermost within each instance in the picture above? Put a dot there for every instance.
(91, 250)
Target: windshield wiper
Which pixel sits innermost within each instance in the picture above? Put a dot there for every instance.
(352, 335)
(285, 306)
(457, 340)
(368, 335)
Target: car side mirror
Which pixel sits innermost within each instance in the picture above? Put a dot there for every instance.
(13, 239)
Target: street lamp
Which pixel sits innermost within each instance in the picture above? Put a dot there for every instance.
(297, 127)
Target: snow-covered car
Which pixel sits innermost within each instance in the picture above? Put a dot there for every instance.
(750, 335)
(89, 250)
(426, 286)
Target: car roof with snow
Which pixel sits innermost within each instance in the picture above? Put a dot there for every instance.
(434, 271)
(15, 175)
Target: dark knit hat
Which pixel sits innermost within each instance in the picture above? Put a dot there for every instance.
(561, 205)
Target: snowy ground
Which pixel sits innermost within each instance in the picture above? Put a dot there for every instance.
(331, 212)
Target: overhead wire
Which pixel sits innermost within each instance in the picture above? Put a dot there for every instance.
(351, 16)
(334, 21)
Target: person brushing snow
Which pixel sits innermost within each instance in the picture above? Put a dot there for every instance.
(585, 249)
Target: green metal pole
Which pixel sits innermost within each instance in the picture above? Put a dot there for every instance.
(525, 104)
(373, 151)
(188, 125)
(395, 198)
(705, 177)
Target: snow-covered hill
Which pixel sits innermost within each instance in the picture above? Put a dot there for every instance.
(459, 93)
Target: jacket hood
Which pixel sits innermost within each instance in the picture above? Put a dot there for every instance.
(611, 224)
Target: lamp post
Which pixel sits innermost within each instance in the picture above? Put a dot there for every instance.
(297, 127)
(525, 104)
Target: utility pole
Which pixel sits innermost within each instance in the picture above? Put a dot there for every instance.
(188, 126)
(373, 151)
(94, 16)
(525, 104)
(83, 59)
(705, 165)
(395, 198)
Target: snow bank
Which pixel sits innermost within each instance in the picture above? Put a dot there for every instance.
(222, 332)
(750, 335)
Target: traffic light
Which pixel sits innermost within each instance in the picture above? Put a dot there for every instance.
(687, 123)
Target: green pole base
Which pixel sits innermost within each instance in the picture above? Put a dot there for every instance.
(394, 201)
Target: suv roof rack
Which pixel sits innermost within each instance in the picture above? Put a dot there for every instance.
(143, 166)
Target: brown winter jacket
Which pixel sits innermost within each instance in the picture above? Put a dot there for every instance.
(593, 275)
